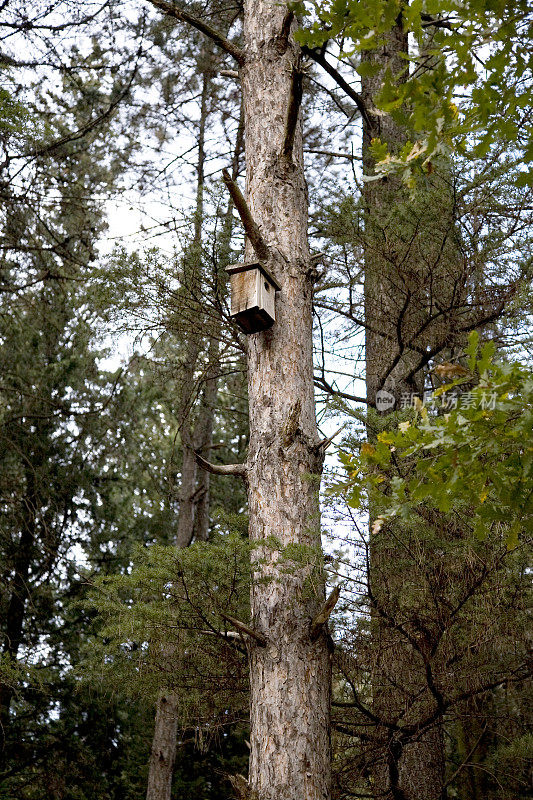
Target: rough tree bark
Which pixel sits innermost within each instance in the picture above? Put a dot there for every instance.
(290, 676)
(164, 744)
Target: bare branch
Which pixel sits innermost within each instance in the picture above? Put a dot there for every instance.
(229, 73)
(250, 226)
(430, 21)
(232, 638)
(293, 110)
(325, 443)
(172, 10)
(319, 58)
(241, 470)
(324, 613)
(332, 154)
(259, 638)
(325, 386)
(222, 634)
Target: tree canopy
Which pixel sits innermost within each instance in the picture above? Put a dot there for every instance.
(162, 503)
(466, 81)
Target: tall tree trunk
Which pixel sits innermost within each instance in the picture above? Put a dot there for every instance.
(204, 441)
(164, 744)
(405, 768)
(290, 676)
(192, 286)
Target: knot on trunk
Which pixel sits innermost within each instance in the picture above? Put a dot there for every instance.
(291, 425)
(281, 42)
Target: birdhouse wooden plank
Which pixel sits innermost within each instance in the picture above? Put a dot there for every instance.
(253, 291)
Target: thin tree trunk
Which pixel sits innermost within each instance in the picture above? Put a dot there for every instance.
(164, 741)
(192, 281)
(14, 623)
(290, 676)
(194, 495)
(204, 441)
(206, 421)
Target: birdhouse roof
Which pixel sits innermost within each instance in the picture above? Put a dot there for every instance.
(232, 269)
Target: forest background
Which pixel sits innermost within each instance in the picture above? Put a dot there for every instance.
(125, 569)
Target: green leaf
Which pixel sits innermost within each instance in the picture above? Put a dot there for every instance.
(366, 69)
(487, 353)
(512, 536)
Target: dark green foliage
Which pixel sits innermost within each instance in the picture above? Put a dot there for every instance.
(74, 744)
(202, 772)
(177, 599)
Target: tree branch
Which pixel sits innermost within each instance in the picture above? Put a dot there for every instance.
(293, 110)
(241, 470)
(259, 638)
(233, 639)
(324, 614)
(332, 154)
(325, 443)
(89, 126)
(319, 58)
(322, 383)
(430, 21)
(172, 10)
(250, 226)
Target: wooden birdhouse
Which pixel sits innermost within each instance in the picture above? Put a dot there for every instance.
(253, 293)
